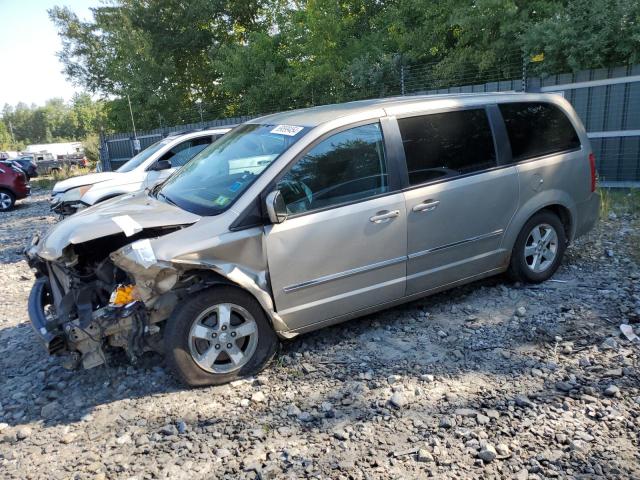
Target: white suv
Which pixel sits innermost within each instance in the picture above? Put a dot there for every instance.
(148, 168)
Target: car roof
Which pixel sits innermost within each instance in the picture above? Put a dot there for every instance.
(314, 116)
(207, 131)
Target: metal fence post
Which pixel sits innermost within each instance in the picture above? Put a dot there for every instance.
(402, 80)
(104, 153)
(524, 72)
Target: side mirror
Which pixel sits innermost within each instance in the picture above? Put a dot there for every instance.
(276, 207)
(161, 165)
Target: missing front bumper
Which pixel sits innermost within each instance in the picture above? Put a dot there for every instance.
(50, 336)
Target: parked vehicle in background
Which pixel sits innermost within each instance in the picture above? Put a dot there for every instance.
(13, 185)
(147, 168)
(77, 160)
(29, 167)
(303, 219)
(48, 165)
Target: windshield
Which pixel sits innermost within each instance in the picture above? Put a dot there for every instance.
(142, 156)
(219, 174)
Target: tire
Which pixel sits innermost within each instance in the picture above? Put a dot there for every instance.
(7, 200)
(522, 267)
(192, 324)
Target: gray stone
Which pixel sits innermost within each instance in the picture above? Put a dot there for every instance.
(23, 433)
(424, 456)
(181, 426)
(609, 344)
(398, 400)
(447, 422)
(293, 410)
(482, 419)
(488, 453)
(50, 410)
(340, 434)
(521, 312)
(492, 413)
(466, 412)
(612, 391)
(503, 449)
(564, 386)
(305, 417)
(169, 429)
(524, 402)
(258, 397)
(222, 452)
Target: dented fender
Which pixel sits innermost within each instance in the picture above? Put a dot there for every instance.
(157, 264)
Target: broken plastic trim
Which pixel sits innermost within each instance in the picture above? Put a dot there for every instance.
(148, 278)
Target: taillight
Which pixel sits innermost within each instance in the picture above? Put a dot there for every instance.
(592, 166)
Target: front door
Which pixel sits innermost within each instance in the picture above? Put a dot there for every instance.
(462, 201)
(343, 248)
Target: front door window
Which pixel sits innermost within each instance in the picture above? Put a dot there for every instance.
(344, 168)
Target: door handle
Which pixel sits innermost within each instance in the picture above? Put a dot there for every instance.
(384, 216)
(426, 206)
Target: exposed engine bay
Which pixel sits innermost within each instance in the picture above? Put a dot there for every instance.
(84, 305)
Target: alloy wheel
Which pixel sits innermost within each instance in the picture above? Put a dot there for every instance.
(5, 201)
(223, 338)
(541, 248)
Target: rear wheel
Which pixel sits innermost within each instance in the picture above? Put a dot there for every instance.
(539, 249)
(7, 200)
(218, 336)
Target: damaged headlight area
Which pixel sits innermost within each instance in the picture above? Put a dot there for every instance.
(69, 202)
(84, 306)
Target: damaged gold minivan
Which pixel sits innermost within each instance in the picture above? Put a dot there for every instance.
(306, 218)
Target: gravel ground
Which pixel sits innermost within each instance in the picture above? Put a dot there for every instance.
(488, 380)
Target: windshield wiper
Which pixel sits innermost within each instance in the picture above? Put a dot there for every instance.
(160, 194)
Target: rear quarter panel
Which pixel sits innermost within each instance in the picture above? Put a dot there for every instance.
(544, 182)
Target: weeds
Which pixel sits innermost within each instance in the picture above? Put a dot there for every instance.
(46, 182)
(619, 201)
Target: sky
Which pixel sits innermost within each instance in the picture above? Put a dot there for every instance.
(30, 71)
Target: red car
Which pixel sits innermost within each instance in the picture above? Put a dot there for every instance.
(13, 186)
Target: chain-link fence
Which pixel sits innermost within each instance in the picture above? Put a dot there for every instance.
(607, 100)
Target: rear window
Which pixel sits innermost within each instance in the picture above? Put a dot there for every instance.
(446, 145)
(537, 129)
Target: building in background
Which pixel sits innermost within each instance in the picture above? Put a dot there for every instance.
(58, 150)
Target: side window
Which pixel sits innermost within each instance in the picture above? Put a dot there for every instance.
(346, 167)
(446, 145)
(185, 151)
(537, 129)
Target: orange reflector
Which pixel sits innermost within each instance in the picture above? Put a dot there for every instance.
(123, 295)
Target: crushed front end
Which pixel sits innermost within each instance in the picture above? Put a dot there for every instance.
(82, 305)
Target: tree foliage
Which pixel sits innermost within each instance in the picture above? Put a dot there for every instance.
(55, 121)
(178, 60)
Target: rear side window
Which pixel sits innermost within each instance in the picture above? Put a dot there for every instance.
(537, 129)
(346, 167)
(446, 145)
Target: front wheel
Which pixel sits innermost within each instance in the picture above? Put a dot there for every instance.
(539, 249)
(220, 335)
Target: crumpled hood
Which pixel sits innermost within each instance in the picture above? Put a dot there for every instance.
(81, 180)
(136, 209)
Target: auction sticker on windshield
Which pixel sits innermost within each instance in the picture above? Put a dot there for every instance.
(289, 130)
(221, 200)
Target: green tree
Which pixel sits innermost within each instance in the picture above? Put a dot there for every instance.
(586, 34)
(6, 142)
(56, 120)
(175, 59)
